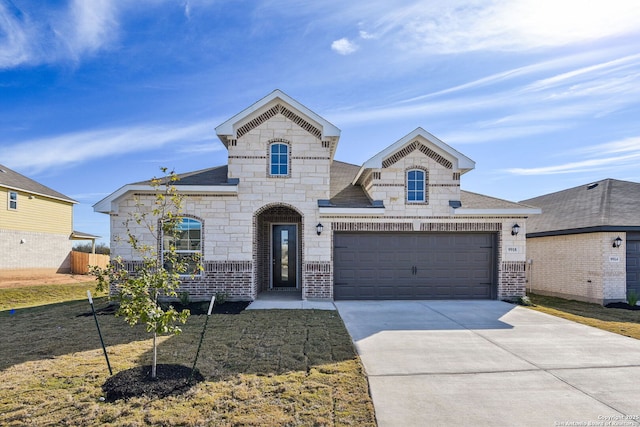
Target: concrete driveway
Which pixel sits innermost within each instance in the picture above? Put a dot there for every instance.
(489, 363)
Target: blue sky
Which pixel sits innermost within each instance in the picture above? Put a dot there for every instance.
(543, 95)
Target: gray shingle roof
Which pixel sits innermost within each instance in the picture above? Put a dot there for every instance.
(13, 180)
(210, 176)
(606, 203)
(342, 192)
(479, 201)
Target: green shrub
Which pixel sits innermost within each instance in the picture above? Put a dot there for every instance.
(632, 298)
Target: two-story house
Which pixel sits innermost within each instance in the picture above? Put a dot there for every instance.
(282, 214)
(36, 226)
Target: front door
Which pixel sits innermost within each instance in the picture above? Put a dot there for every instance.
(284, 256)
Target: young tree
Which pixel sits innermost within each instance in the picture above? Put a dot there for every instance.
(158, 273)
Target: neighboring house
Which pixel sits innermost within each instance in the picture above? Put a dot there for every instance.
(586, 243)
(36, 226)
(284, 215)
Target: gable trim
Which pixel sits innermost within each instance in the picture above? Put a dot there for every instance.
(406, 145)
(274, 111)
(416, 145)
(285, 105)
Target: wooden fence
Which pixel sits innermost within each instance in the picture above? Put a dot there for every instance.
(81, 261)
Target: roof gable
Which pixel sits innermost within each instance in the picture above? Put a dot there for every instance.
(277, 102)
(426, 143)
(15, 181)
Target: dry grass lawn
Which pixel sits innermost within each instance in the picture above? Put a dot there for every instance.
(272, 367)
(623, 322)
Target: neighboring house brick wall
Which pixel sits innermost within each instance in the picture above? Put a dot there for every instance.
(578, 266)
(44, 251)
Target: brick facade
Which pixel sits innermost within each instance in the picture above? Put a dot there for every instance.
(584, 267)
(47, 252)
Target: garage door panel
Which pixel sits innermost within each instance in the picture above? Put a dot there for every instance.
(414, 265)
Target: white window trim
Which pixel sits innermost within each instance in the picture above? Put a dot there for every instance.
(200, 251)
(424, 187)
(270, 164)
(11, 200)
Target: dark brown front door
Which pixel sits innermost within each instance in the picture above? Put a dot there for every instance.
(284, 256)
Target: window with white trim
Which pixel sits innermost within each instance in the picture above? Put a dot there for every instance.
(416, 186)
(187, 241)
(13, 201)
(279, 159)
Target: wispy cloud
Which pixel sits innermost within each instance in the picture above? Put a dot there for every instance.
(44, 35)
(93, 25)
(564, 93)
(78, 147)
(499, 133)
(608, 156)
(16, 30)
(344, 46)
(502, 25)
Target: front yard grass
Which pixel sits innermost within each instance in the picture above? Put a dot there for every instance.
(623, 322)
(32, 296)
(262, 367)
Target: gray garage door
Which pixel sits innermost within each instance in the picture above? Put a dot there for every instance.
(633, 262)
(414, 266)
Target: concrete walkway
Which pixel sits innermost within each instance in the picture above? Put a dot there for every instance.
(489, 363)
(287, 301)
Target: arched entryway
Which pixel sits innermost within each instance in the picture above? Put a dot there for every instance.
(278, 248)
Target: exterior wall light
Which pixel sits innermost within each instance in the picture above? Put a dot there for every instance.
(319, 228)
(617, 242)
(515, 229)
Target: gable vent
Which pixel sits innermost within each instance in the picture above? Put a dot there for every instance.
(272, 112)
(415, 145)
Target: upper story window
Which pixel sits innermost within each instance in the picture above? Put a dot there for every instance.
(279, 160)
(13, 201)
(416, 185)
(188, 243)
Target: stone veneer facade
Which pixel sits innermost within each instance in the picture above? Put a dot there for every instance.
(236, 228)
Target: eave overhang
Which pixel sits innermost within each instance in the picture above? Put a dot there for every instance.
(108, 205)
(326, 208)
(35, 193)
(584, 230)
(351, 211)
(496, 212)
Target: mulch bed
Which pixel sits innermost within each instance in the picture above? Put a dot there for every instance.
(199, 308)
(170, 380)
(196, 308)
(622, 305)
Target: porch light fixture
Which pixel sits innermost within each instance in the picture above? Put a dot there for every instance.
(515, 229)
(319, 228)
(617, 242)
